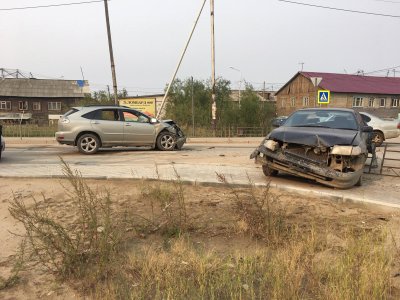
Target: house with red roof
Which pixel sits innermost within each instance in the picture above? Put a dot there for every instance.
(377, 95)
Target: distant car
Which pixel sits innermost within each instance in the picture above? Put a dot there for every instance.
(329, 146)
(92, 127)
(383, 129)
(278, 121)
(2, 142)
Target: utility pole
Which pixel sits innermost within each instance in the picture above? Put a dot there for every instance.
(109, 95)
(213, 102)
(110, 48)
(264, 91)
(180, 61)
(192, 107)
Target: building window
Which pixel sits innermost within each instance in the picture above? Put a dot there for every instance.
(306, 101)
(357, 102)
(293, 102)
(23, 105)
(371, 102)
(54, 106)
(382, 102)
(5, 105)
(36, 106)
(395, 103)
(283, 103)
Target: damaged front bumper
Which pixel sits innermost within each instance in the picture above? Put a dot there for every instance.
(306, 168)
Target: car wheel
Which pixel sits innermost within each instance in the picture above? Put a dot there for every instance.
(378, 138)
(166, 141)
(88, 144)
(268, 171)
(359, 182)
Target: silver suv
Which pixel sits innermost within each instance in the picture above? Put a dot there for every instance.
(92, 127)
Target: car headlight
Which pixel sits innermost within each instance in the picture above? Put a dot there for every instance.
(271, 145)
(346, 150)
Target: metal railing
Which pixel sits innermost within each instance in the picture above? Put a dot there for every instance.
(25, 130)
(390, 169)
(389, 165)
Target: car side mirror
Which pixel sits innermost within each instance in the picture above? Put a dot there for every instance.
(153, 120)
(367, 129)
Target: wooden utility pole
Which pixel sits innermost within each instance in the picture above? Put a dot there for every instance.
(114, 78)
(192, 107)
(264, 91)
(213, 102)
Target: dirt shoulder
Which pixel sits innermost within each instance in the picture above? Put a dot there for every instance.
(209, 208)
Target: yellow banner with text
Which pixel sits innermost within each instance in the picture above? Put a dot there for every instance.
(145, 105)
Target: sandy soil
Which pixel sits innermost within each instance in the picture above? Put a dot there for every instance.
(209, 206)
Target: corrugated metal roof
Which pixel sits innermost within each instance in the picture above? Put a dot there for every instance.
(344, 83)
(45, 88)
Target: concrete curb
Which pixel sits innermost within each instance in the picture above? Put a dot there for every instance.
(39, 141)
(333, 196)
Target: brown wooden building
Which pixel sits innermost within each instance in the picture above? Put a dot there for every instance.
(377, 95)
(38, 101)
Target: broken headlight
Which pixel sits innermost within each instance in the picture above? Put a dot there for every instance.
(271, 145)
(346, 150)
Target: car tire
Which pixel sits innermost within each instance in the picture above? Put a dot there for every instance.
(377, 138)
(166, 141)
(268, 171)
(359, 181)
(88, 143)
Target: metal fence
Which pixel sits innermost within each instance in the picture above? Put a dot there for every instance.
(25, 130)
(227, 131)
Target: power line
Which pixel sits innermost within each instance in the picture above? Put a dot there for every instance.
(388, 1)
(340, 9)
(377, 71)
(382, 70)
(50, 5)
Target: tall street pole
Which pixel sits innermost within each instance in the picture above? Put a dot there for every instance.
(114, 78)
(213, 102)
(192, 107)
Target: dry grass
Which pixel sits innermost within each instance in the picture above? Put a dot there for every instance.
(86, 246)
(258, 212)
(361, 271)
(168, 207)
(284, 260)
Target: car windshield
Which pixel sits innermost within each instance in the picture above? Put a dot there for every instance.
(323, 118)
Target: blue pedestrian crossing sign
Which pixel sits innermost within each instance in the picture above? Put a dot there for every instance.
(324, 96)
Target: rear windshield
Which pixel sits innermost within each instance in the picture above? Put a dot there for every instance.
(70, 112)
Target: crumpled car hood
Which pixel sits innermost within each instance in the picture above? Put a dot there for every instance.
(315, 136)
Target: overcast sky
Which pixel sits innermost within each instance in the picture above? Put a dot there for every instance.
(264, 39)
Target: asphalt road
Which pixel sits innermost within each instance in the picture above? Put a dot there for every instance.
(197, 163)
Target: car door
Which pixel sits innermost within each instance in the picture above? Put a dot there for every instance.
(108, 124)
(138, 130)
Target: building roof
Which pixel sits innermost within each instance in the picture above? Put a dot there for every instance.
(345, 83)
(44, 88)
